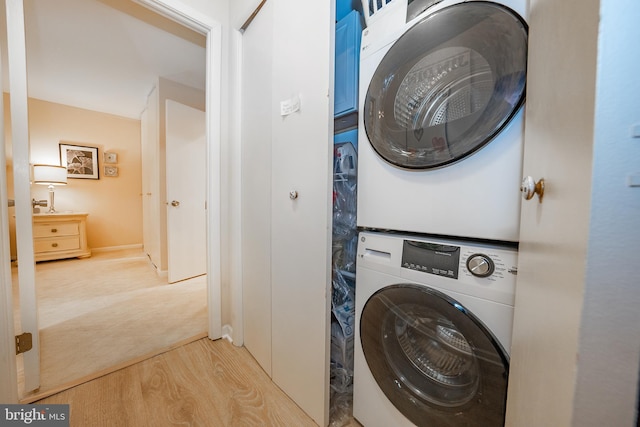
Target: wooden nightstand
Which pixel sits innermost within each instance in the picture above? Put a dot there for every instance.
(60, 235)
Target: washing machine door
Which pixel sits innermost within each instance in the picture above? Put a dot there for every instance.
(447, 86)
(436, 362)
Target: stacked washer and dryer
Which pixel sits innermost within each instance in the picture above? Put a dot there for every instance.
(442, 89)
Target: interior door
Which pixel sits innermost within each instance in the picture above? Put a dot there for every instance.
(16, 52)
(286, 197)
(9, 385)
(150, 185)
(257, 61)
(301, 202)
(554, 231)
(186, 191)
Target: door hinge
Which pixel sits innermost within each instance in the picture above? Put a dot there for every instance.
(24, 342)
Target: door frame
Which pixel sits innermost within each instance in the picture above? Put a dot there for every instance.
(212, 29)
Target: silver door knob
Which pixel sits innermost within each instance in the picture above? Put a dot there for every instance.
(530, 187)
(293, 194)
(175, 203)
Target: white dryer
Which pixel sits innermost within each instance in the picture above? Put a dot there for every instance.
(442, 89)
(433, 331)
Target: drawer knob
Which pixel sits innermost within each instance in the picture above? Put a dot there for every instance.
(54, 245)
(54, 230)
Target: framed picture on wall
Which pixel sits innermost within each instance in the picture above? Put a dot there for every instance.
(80, 161)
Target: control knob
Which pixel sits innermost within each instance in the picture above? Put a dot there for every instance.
(480, 265)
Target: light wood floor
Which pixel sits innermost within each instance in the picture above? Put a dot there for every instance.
(108, 311)
(204, 383)
(124, 348)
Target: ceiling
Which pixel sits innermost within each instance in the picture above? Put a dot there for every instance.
(104, 55)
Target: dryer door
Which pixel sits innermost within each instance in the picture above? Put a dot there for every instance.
(450, 84)
(436, 362)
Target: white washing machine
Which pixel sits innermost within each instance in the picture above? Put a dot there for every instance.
(442, 89)
(433, 331)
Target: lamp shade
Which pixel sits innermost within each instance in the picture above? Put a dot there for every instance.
(49, 175)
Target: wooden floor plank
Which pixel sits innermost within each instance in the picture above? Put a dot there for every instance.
(204, 383)
(113, 400)
(169, 399)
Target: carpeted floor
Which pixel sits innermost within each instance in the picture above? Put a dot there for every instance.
(108, 311)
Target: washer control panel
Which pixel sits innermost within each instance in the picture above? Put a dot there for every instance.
(432, 258)
(453, 261)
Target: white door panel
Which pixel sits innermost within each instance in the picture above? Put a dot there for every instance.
(256, 185)
(150, 183)
(286, 240)
(21, 175)
(186, 192)
(302, 152)
(575, 341)
(554, 232)
(9, 386)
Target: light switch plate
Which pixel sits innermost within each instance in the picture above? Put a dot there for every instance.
(110, 157)
(110, 171)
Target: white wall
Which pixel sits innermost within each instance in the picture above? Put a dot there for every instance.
(609, 349)
(240, 10)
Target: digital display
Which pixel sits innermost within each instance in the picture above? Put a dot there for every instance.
(432, 258)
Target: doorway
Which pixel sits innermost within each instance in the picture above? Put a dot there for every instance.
(212, 30)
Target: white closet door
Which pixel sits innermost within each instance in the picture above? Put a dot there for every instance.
(256, 185)
(553, 234)
(286, 244)
(302, 202)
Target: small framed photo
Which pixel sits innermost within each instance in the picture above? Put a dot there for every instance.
(80, 161)
(111, 171)
(111, 158)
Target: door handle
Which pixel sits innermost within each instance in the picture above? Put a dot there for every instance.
(175, 203)
(530, 187)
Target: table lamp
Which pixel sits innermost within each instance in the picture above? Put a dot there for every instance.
(50, 175)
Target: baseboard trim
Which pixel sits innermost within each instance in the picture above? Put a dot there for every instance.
(116, 248)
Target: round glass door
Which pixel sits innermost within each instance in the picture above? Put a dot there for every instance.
(433, 359)
(448, 86)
